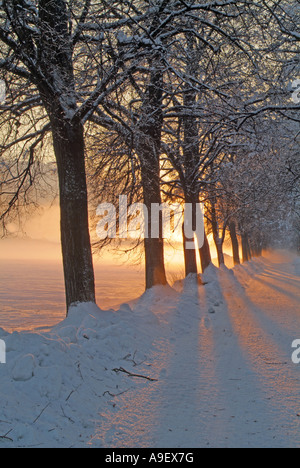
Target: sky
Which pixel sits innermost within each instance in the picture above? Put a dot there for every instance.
(40, 240)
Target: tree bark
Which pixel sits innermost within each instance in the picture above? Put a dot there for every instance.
(154, 247)
(148, 144)
(190, 149)
(246, 248)
(190, 254)
(57, 89)
(190, 259)
(205, 255)
(219, 247)
(68, 141)
(235, 243)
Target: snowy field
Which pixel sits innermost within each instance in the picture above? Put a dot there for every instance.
(32, 292)
(186, 367)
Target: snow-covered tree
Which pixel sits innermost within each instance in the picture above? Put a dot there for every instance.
(48, 60)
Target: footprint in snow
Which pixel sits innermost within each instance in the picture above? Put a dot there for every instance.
(206, 323)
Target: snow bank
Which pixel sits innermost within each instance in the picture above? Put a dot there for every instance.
(55, 385)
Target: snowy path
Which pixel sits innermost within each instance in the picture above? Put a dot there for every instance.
(220, 354)
(225, 379)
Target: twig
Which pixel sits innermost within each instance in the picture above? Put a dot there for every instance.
(38, 417)
(135, 364)
(73, 391)
(5, 436)
(79, 369)
(134, 375)
(67, 417)
(115, 395)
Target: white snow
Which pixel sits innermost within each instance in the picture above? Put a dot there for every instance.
(32, 292)
(218, 356)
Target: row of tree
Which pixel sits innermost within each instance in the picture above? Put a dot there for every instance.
(161, 100)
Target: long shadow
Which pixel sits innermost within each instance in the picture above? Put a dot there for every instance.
(249, 416)
(284, 276)
(272, 365)
(132, 419)
(216, 388)
(276, 276)
(261, 316)
(187, 381)
(222, 379)
(278, 288)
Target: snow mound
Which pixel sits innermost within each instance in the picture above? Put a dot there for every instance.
(210, 275)
(55, 385)
(24, 368)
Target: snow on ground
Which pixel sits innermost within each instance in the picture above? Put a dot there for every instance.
(212, 368)
(32, 292)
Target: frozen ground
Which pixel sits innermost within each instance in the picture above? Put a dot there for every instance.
(219, 357)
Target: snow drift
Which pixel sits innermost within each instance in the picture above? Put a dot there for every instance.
(192, 367)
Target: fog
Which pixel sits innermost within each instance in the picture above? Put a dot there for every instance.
(31, 274)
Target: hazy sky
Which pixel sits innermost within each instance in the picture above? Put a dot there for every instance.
(41, 241)
(44, 225)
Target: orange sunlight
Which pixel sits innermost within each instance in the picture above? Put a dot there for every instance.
(41, 241)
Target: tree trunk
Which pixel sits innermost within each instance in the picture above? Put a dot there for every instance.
(68, 143)
(235, 243)
(249, 249)
(246, 248)
(148, 143)
(219, 247)
(216, 234)
(190, 256)
(154, 247)
(190, 253)
(260, 249)
(205, 255)
(57, 89)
